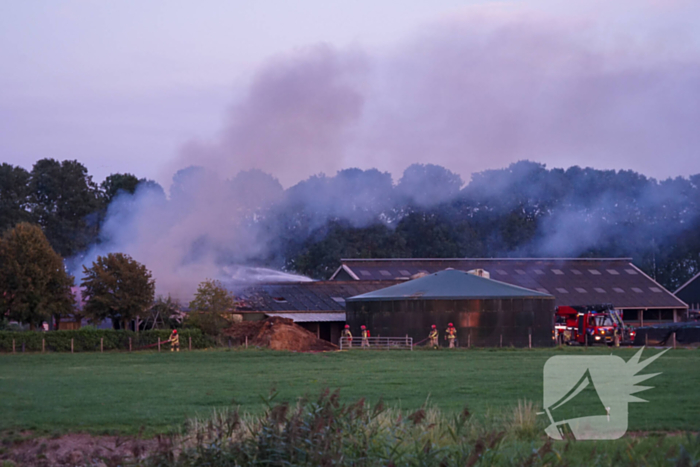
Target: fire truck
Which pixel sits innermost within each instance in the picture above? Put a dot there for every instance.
(589, 325)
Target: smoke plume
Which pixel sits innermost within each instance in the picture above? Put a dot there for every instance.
(473, 93)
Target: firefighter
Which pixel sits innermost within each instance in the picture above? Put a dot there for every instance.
(365, 336)
(174, 341)
(451, 335)
(348, 334)
(433, 336)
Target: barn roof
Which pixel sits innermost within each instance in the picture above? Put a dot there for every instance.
(320, 296)
(572, 281)
(449, 284)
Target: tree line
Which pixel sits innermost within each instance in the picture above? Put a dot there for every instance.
(524, 210)
(62, 198)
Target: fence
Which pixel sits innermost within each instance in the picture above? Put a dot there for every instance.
(382, 343)
(98, 340)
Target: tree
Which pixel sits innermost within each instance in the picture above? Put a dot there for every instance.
(14, 196)
(212, 297)
(207, 308)
(115, 184)
(34, 281)
(66, 203)
(117, 287)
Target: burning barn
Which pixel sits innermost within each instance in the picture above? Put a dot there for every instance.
(572, 282)
(484, 311)
(317, 306)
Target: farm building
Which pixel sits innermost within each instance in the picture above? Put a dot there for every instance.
(690, 293)
(317, 306)
(484, 311)
(573, 282)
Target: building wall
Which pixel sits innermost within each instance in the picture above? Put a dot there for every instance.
(690, 294)
(326, 330)
(484, 323)
(652, 316)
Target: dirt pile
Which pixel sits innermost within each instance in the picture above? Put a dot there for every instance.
(278, 334)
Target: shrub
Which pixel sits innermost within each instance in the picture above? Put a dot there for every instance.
(88, 339)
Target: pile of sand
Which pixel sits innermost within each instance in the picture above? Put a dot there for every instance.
(278, 334)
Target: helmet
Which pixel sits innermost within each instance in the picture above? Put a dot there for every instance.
(362, 327)
(434, 326)
(174, 331)
(450, 325)
(347, 326)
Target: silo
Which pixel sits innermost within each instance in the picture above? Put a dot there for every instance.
(486, 313)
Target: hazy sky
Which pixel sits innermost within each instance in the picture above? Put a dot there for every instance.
(300, 87)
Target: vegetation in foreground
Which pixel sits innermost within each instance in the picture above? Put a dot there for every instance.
(324, 431)
(124, 393)
(327, 432)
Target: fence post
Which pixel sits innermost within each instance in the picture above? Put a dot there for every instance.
(13, 346)
(501, 344)
(469, 339)
(646, 339)
(229, 342)
(529, 338)
(43, 345)
(158, 344)
(674, 339)
(22, 346)
(190, 342)
(246, 342)
(130, 344)
(71, 345)
(102, 344)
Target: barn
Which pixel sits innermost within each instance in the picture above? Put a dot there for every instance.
(484, 311)
(572, 282)
(690, 293)
(317, 306)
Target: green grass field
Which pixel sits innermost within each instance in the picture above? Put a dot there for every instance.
(122, 392)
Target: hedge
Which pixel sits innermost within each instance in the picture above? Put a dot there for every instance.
(88, 340)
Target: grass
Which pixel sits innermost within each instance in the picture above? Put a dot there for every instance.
(157, 392)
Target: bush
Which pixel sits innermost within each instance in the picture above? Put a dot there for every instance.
(210, 323)
(88, 339)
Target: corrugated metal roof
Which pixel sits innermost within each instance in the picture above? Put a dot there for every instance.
(310, 317)
(303, 296)
(450, 285)
(582, 281)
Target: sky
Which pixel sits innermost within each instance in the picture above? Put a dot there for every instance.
(298, 88)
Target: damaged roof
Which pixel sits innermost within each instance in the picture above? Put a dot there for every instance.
(309, 317)
(321, 296)
(579, 281)
(450, 284)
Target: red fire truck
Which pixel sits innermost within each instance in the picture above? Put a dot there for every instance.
(588, 325)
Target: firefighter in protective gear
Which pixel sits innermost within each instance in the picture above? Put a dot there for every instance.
(451, 335)
(348, 334)
(433, 336)
(174, 341)
(365, 335)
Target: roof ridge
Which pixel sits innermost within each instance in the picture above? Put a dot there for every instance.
(485, 259)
